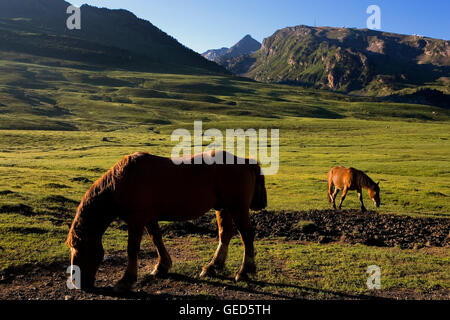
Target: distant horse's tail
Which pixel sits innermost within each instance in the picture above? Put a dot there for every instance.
(330, 185)
(259, 200)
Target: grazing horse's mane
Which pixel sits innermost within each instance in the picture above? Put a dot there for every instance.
(100, 190)
(364, 179)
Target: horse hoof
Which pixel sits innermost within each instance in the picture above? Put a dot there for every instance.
(242, 277)
(159, 273)
(208, 271)
(122, 287)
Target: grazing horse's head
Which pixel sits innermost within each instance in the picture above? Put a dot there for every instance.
(85, 237)
(86, 249)
(374, 194)
(94, 214)
(87, 256)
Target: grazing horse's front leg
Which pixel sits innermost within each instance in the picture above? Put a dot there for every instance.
(363, 208)
(225, 225)
(164, 261)
(134, 243)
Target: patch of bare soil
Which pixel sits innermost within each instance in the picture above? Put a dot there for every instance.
(325, 226)
(49, 283)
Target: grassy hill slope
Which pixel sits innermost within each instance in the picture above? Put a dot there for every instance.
(71, 98)
(110, 38)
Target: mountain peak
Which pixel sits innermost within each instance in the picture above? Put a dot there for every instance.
(247, 45)
(248, 39)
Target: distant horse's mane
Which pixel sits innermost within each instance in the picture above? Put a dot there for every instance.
(365, 180)
(99, 189)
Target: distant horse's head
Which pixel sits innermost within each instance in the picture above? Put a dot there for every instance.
(374, 194)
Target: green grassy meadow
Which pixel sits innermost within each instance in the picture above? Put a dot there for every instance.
(324, 271)
(62, 128)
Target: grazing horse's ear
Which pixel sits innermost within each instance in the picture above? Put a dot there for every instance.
(378, 183)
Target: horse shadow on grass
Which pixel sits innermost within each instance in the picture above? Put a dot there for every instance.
(253, 287)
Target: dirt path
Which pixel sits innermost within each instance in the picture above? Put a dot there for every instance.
(49, 282)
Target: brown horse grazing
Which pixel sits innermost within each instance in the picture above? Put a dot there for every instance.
(143, 189)
(351, 179)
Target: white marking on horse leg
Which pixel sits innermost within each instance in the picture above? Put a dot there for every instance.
(220, 254)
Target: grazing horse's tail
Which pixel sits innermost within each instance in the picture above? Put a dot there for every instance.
(259, 200)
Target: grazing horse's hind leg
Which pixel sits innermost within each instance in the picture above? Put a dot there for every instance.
(344, 194)
(330, 187)
(333, 197)
(164, 261)
(134, 243)
(242, 220)
(225, 225)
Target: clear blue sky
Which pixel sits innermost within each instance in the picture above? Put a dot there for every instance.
(210, 24)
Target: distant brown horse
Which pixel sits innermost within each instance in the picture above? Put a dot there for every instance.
(351, 179)
(143, 189)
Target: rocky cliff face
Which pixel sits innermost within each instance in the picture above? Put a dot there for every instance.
(213, 54)
(346, 59)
